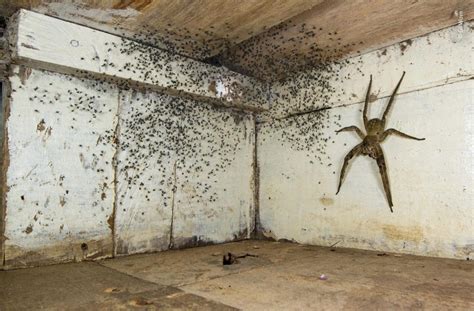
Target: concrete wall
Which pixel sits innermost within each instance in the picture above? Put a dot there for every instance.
(185, 174)
(432, 181)
(93, 170)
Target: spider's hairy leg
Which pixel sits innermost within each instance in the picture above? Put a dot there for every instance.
(366, 104)
(354, 152)
(392, 97)
(383, 172)
(352, 128)
(398, 133)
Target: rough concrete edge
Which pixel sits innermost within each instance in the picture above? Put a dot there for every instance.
(116, 143)
(5, 160)
(136, 85)
(253, 205)
(5, 75)
(256, 230)
(171, 242)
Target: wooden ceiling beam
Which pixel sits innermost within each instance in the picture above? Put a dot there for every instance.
(48, 43)
(335, 29)
(198, 29)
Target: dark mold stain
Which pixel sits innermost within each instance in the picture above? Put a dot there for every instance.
(194, 241)
(326, 201)
(110, 221)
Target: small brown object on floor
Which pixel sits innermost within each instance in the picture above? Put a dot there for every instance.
(111, 290)
(231, 259)
(140, 301)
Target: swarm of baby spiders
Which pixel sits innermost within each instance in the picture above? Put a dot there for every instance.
(370, 145)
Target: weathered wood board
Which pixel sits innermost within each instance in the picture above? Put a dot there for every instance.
(198, 29)
(49, 43)
(336, 29)
(60, 177)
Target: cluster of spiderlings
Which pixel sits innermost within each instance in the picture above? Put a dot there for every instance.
(154, 132)
(285, 49)
(155, 66)
(77, 109)
(199, 43)
(305, 132)
(158, 131)
(304, 82)
(164, 127)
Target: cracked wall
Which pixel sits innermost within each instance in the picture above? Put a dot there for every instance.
(96, 171)
(59, 178)
(184, 173)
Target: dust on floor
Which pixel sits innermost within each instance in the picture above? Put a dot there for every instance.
(273, 275)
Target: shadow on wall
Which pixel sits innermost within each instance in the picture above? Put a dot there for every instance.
(2, 213)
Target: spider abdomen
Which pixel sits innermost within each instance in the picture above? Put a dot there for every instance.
(370, 146)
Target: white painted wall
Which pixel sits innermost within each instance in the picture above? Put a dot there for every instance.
(191, 164)
(191, 172)
(60, 177)
(62, 158)
(432, 181)
(96, 169)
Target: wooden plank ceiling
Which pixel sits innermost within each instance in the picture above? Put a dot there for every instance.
(338, 28)
(268, 39)
(195, 28)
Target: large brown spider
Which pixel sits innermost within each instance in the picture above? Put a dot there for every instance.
(370, 145)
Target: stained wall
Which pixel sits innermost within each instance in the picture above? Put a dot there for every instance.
(95, 171)
(300, 155)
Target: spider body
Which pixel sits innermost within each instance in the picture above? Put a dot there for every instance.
(370, 145)
(375, 127)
